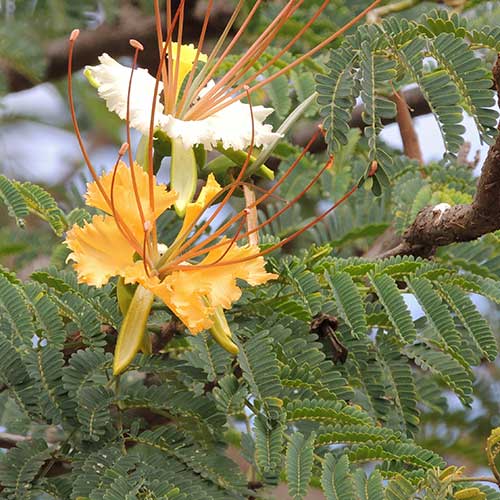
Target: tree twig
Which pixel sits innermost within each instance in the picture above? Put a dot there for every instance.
(442, 225)
(114, 39)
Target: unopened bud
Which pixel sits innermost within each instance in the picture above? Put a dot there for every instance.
(136, 44)
(74, 35)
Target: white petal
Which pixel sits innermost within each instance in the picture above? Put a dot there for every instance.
(112, 80)
(232, 126)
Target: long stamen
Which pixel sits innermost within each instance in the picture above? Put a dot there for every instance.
(199, 48)
(180, 267)
(227, 102)
(176, 83)
(118, 221)
(93, 173)
(232, 189)
(195, 253)
(230, 46)
(161, 67)
(262, 198)
(248, 59)
(138, 47)
(234, 239)
(159, 36)
(196, 87)
(224, 93)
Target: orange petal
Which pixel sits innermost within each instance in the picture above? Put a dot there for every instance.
(124, 197)
(193, 295)
(185, 300)
(99, 250)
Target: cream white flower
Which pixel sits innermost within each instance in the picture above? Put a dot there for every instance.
(232, 125)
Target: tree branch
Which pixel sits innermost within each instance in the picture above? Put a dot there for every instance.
(442, 225)
(114, 39)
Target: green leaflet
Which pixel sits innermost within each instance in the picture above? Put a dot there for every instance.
(337, 480)
(348, 300)
(299, 463)
(20, 465)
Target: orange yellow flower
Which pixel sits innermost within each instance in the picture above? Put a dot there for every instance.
(194, 292)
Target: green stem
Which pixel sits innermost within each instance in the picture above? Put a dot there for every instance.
(485, 479)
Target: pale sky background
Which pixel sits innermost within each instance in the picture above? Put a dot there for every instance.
(45, 153)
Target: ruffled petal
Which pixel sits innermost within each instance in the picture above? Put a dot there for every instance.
(185, 300)
(124, 197)
(99, 250)
(194, 294)
(232, 126)
(112, 81)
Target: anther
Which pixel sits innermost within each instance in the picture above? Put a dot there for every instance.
(74, 35)
(123, 149)
(147, 225)
(136, 44)
(373, 168)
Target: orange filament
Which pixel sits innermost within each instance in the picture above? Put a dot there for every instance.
(131, 159)
(215, 107)
(161, 67)
(316, 220)
(159, 37)
(199, 48)
(223, 91)
(264, 197)
(232, 188)
(194, 252)
(250, 56)
(118, 221)
(127, 234)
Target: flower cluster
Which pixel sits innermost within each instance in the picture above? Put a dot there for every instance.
(195, 278)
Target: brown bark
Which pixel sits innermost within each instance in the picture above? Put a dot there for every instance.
(433, 228)
(114, 39)
(411, 145)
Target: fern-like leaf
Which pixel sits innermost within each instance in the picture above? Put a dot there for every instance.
(268, 447)
(395, 306)
(348, 300)
(299, 463)
(337, 480)
(20, 466)
(260, 370)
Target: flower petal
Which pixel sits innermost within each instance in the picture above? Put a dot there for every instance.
(112, 81)
(185, 300)
(186, 59)
(99, 250)
(124, 197)
(193, 210)
(195, 294)
(232, 126)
